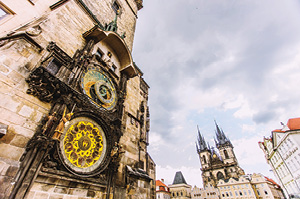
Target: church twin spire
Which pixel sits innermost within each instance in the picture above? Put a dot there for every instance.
(201, 146)
(220, 140)
(221, 137)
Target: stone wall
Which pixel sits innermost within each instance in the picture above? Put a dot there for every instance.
(53, 188)
(19, 111)
(22, 113)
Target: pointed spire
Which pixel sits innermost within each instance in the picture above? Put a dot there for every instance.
(216, 143)
(221, 137)
(208, 146)
(201, 146)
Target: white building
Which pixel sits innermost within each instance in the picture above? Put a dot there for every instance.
(208, 192)
(162, 190)
(282, 154)
(250, 186)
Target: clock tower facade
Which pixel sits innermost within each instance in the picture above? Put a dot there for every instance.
(76, 119)
(217, 163)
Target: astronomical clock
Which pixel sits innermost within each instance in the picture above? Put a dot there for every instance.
(77, 103)
(83, 146)
(79, 140)
(99, 87)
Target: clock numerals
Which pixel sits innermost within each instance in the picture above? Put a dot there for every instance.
(99, 88)
(83, 145)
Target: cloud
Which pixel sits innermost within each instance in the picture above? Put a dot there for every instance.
(191, 175)
(250, 156)
(237, 61)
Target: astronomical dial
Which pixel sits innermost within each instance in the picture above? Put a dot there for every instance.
(83, 145)
(99, 87)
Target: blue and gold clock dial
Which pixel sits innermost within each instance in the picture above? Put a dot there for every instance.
(99, 87)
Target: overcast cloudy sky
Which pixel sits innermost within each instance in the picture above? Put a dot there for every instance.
(237, 62)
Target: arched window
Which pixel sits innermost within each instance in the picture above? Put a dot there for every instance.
(220, 175)
(204, 159)
(226, 154)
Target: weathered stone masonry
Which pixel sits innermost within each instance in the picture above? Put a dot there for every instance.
(42, 64)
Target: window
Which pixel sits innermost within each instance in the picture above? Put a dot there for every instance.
(249, 192)
(99, 55)
(5, 11)
(266, 192)
(226, 154)
(204, 159)
(141, 164)
(113, 68)
(258, 193)
(54, 66)
(220, 175)
(116, 7)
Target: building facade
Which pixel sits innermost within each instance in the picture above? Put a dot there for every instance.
(162, 190)
(75, 116)
(282, 153)
(250, 186)
(220, 171)
(217, 165)
(208, 192)
(179, 188)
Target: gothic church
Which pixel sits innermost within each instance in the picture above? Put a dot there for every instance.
(217, 165)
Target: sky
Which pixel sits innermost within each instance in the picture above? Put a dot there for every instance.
(236, 62)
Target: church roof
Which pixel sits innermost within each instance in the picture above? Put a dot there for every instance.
(179, 179)
(201, 145)
(221, 137)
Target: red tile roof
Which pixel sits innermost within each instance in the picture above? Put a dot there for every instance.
(294, 123)
(278, 130)
(272, 181)
(162, 186)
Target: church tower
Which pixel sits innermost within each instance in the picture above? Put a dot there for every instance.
(203, 151)
(217, 164)
(224, 146)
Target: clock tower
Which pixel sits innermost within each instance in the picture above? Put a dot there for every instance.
(76, 119)
(217, 163)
